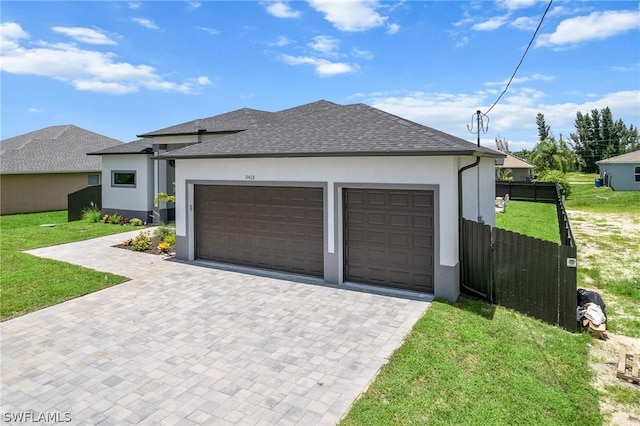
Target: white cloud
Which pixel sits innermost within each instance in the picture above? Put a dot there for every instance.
(193, 4)
(517, 4)
(350, 16)
(393, 28)
(513, 119)
(491, 24)
(524, 79)
(281, 41)
(212, 31)
(134, 5)
(631, 68)
(145, 23)
(595, 26)
(281, 10)
(525, 23)
(325, 44)
(86, 70)
(34, 110)
(323, 67)
(10, 35)
(360, 53)
(462, 42)
(85, 35)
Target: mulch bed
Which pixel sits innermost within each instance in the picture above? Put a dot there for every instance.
(152, 250)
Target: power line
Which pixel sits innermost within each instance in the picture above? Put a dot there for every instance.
(521, 59)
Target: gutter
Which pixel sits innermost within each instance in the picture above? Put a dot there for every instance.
(463, 287)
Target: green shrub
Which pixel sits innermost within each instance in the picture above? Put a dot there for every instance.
(558, 177)
(134, 221)
(162, 231)
(170, 239)
(115, 219)
(92, 213)
(141, 242)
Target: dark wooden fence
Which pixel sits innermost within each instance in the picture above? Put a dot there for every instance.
(527, 191)
(534, 277)
(81, 199)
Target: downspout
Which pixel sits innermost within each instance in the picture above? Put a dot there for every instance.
(463, 287)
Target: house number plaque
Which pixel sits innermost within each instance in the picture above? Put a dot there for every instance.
(249, 177)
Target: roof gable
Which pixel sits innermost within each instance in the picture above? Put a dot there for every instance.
(629, 157)
(234, 121)
(140, 146)
(335, 130)
(239, 120)
(55, 149)
(512, 162)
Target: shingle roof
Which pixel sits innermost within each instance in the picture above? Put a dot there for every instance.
(55, 149)
(140, 146)
(335, 131)
(238, 120)
(511, 162)
(629, 157)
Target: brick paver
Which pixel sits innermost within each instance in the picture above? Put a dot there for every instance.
(188, 344)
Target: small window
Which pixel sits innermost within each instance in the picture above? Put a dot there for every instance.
(637, 174)
(93, 180)
(123, 178)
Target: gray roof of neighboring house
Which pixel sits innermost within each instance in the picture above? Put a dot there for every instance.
(629, 157)
(511, 162)
(55, 149)
(335, 130)
(238, 120)
(140, 146)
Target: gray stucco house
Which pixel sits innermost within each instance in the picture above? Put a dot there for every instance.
(621, 173)
(40, 168)
(348, 194)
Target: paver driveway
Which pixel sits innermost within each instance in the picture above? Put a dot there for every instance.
(182, 344)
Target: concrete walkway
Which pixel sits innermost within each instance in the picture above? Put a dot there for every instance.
(186, 344)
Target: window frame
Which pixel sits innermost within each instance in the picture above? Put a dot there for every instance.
(90, 175)
(636, 170)
(123, 185)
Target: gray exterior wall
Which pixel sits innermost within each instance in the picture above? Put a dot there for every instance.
(621, 176)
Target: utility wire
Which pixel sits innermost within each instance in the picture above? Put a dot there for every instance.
(521, 59)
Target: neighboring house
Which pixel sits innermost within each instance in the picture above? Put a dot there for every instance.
(520, 169)
(39, 169)
(129, 179)
(347, 193)
(621, 173)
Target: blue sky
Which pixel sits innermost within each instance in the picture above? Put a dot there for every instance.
(122, 68)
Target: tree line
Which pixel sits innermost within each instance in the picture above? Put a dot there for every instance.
(597, 137)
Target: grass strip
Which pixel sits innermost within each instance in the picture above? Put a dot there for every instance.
(476, 364)
(29, 283)
(538, 220)
(587, 197)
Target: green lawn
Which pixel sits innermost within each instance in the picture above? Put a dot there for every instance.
(587, 197)
(537, 220)
(475, 364)
(29, 283)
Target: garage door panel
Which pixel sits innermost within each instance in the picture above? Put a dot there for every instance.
(399, 220)
(399, 199)
(393, 245)
(376, 219)
(278, 228)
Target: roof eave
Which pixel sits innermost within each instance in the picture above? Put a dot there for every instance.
(475, 153)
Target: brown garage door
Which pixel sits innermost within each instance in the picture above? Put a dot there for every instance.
(278, 228)
(389, 238)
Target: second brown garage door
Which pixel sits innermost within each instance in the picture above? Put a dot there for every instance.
(389, 238)
(278, 228)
